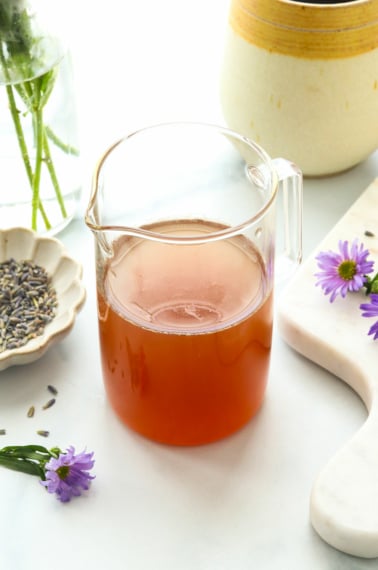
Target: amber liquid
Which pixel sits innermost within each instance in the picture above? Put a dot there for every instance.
(185, 335)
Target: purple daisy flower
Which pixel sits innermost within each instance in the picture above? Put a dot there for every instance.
(343, 271)
(371, 310)
(68, 474)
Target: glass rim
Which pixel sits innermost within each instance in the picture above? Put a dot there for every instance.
(141, 232)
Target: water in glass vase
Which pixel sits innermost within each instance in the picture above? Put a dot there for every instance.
(185, 334)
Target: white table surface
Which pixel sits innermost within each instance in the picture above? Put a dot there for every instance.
(242, 503)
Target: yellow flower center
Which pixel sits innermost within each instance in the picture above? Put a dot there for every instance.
(347, 269)
(63, 471)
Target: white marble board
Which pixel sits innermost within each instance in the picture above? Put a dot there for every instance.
(344, 498)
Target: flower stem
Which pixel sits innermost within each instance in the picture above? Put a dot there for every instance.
(38, 117)
(53, 176)
(67, 148)
(20, 133)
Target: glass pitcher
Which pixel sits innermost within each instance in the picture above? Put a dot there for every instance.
(183, 216)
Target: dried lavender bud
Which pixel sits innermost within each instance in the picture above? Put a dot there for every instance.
(27, 302)
(49, 404)
(43, 432)
(52, 389)
(368, 233)
(3, 431)
(31, 411)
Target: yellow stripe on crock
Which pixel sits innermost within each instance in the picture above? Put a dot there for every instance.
(313, 31)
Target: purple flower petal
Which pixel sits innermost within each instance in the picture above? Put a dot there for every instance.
(374, 330)
(371, 310)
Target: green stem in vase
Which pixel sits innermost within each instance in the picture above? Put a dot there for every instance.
(53, 176)
(19, 131)
(23, 149)
(35, 94)
(15, 114)
(67, 148)
(38, 121)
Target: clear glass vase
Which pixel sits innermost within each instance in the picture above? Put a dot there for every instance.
(40, 180)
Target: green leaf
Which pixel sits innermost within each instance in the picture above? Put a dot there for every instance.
(30, 459)
(371, 284)
(374, 285)
(22, 465)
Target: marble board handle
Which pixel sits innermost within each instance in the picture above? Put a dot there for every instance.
(344, 498)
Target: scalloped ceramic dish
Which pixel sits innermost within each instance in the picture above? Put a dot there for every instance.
(23, 244)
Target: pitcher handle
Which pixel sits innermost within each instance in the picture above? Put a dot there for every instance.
(291, 186)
